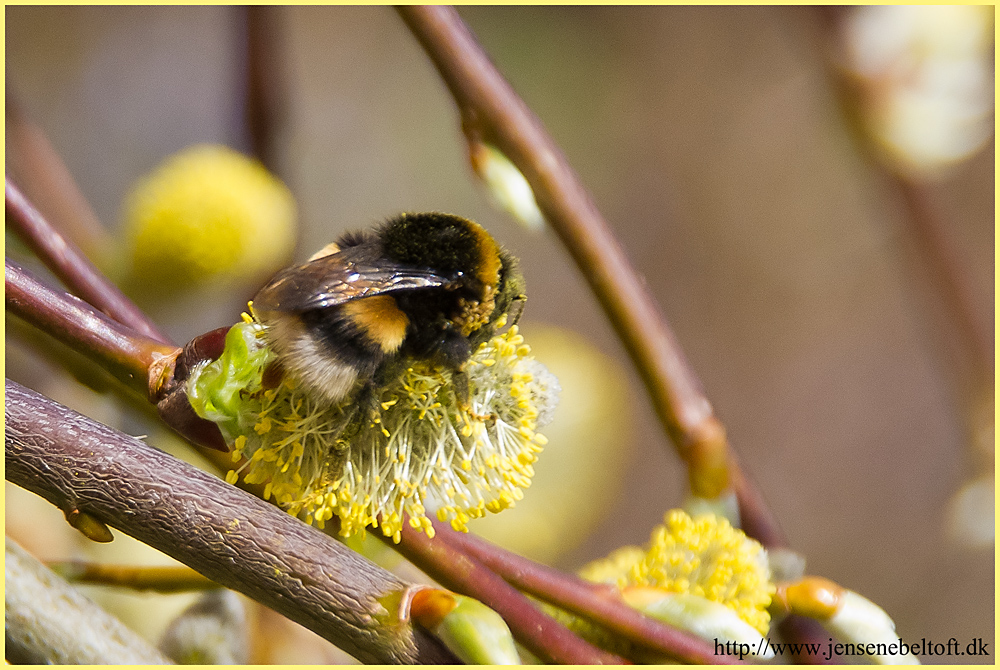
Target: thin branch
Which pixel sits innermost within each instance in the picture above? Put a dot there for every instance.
(159, 578)
(69, 264)
(138, 362)
(948, 276)
(492, 112)
(230, 536)
(598, 602)
(265, 97)
(756, 519)
(46, 179)
(134, 359)
(49, 621)
(539, 633)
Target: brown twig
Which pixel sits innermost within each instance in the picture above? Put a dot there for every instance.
(159, 578)
(597, 602)
(539, 633)
(69, 264)
(265, 98)
(948, 276)
(491, 111)
(47, 180)
(756, 518)
(230, 536)
(134, 359)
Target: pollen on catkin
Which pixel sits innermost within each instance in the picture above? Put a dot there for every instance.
(704, 556)
(421, 455)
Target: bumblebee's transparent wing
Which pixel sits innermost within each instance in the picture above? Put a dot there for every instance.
(338, 278)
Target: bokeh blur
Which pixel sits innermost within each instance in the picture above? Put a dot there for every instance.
(712, 141)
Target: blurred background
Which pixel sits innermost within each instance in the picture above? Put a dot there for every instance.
(714, 143)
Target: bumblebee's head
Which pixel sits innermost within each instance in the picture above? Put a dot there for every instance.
(462, 249)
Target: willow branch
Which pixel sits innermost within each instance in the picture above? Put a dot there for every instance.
(491, 111)
(597, 602)
(50, 622)
(69, 264)
(948, 276)
(46, 179)
(138, 362)
(162, 579)
(265, 96)
(134, 359)
(756, 519)
(539, 633)
(229, 536)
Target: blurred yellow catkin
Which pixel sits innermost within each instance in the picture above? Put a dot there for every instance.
(206, 214)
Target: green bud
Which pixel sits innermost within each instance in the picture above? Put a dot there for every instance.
(707, 619)
(214, 388)
(477, 634)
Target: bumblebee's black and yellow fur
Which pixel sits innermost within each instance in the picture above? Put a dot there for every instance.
(428, 286)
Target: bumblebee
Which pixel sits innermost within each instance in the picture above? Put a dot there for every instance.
(427, 286)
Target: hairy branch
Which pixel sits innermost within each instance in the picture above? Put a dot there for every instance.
(230, 536)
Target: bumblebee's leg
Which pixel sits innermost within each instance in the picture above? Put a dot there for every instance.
(359, 406)
(368, 399)
(520, 299)
(463, 396)
(456, 350)
(463, 392)
(338, 429)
